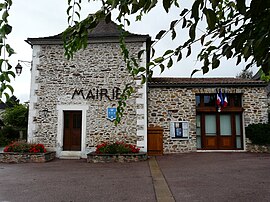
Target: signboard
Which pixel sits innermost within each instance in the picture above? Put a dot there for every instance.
(111, 114)
(179, 129)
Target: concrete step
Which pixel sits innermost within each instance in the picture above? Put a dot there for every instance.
(70, 157)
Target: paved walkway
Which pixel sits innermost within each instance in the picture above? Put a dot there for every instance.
(182, 177)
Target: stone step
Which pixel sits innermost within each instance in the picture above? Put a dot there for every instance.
(70, 157)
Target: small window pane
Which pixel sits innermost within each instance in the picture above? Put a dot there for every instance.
(198, 121)
(198, 131)
(199, 143)
(225, 125)
(209, 100)
(198, 100)
(238, 124)
(210, 125)
(237, 100)
(238, 143)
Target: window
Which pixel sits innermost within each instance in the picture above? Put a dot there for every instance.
(209, 100)
(179, 130)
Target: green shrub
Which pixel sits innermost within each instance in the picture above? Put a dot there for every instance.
(258, 133)
(7, 135)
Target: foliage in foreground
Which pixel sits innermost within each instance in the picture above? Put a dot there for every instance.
(16, 117)
(23, 147)
(223, 28)
(259, 133)
(7, 135)
(116, 148)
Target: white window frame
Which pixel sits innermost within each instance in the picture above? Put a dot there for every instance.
(184, 129)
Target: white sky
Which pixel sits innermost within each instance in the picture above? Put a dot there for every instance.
(39, 18)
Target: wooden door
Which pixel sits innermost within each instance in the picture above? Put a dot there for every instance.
(155, 141)
(226, 136)
(220, 131)
(72, 130)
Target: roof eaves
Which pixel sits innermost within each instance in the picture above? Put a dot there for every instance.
(175, 85)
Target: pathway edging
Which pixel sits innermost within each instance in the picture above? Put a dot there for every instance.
(162, 190)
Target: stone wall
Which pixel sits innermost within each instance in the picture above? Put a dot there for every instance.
(58, 83)
(167, 104)
(15, 157)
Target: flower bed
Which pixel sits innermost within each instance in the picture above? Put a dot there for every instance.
(22, 152)
(17, 157)
(116, 152)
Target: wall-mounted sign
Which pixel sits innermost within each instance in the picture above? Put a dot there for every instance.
(98, 94)
(111, 114)
(179, 129)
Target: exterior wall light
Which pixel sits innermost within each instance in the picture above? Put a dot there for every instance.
(19, 67)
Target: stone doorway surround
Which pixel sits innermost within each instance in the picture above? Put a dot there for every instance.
(60, 131)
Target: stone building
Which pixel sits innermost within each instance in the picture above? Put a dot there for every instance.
(72, 102)
(175, 103)
(69, 99)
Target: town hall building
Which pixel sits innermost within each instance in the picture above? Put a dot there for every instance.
(73, 102)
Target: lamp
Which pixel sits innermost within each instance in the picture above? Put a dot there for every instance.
(19, 67)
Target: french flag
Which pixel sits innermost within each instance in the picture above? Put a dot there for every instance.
(219, 99)
(225, 103)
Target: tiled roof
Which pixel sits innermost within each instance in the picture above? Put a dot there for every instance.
(203, 82)
(101, 31)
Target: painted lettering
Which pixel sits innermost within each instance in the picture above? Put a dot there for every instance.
(76, 92)
(98, 94)
(90, 95)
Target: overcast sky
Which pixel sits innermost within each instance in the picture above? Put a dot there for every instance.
(39, 18)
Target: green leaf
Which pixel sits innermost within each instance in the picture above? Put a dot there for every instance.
(152, 5)
(143, 79)
(167, 4)
(238, 59)
(159, 60)
(222, 32)
(159, 35)
(205, 69)
(241, 6)
(141, 69)
(5, 16)
(194, 71)
(6, 29)
(170, 63)
(179, 56)
(184, 12)
(11, 73)
(162, 67)
(189, 51)
(153, 52)
(168, 52)
(68, 10)
(173, 34)
(184, 23)
(140, 53)
(195, 10)
(192, 32)
(211, 18)
(202, 39)
(173, 24)
(215, 62)
(7, 96)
